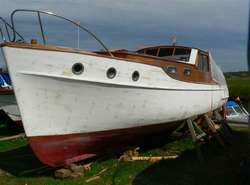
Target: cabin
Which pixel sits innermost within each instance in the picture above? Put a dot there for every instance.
(179, 62)
(180, 54)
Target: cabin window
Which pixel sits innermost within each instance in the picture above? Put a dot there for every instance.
(165, 52)
(230, 111)
(182, 54)
(203, 63)
(238, 109)
(187, 72)
(171, 70)
(141, 51)
(152, 52)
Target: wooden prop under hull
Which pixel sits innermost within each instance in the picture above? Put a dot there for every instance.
(61, 150)
(6, 91)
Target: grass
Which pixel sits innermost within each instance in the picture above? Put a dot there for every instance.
(221, 166)
(6, 145)
(118, 172)
(239, 84)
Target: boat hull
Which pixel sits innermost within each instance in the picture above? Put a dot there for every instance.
(59, 150)
(56, 104)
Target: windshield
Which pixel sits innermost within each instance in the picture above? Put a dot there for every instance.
(182, 54)
(176, 53)
(238, 109)
(230, 111)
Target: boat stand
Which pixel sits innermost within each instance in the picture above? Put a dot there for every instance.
(227, 131)
(213, 127)
(197, 132)
(196, 137)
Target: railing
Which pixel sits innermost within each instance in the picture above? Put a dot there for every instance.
(7, 28)
(55, 15)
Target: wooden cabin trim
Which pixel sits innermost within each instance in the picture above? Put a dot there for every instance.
(197, 76)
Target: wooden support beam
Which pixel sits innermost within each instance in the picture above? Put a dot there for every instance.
(176, 133)
(212, 127)
(210, 124)
(191, 129)
(226, 129)
(195, 140)
(218, 115)
(153, 159)
(22, 135)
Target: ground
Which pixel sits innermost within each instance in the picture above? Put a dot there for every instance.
(223, 166)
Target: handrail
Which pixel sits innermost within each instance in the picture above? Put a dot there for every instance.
(7, 27)
(58, 16)
(1, 32)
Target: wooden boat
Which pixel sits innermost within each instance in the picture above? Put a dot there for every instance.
(77, 104)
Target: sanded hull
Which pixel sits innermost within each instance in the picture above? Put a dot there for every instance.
(65, 149)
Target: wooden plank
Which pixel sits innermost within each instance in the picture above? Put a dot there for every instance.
(191, 129)
(22, 135)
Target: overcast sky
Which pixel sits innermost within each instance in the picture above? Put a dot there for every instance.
(217, 25)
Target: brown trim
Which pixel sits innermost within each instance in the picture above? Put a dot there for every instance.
(197, 76)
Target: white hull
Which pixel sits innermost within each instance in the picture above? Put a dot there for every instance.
(54, 101)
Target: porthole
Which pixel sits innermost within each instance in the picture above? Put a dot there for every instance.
(187, 72)
(135, 76)
(171, 70)
(77, 68)
(111, 73)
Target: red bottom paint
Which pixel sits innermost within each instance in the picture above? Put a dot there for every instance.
(61, 150)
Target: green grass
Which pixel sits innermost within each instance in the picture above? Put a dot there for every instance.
(118, 172)
(239, 84)
(6, 145)
(221, 166)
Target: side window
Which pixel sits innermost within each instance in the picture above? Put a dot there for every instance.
(140, 51)
(165, 52)
(182, 54)
(152, 52)
(203, 63)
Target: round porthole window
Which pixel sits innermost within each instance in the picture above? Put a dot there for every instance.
(111, 73)
(77, 68)
(135, 76)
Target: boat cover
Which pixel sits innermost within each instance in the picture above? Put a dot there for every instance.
(4, 79)
(216, 72)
